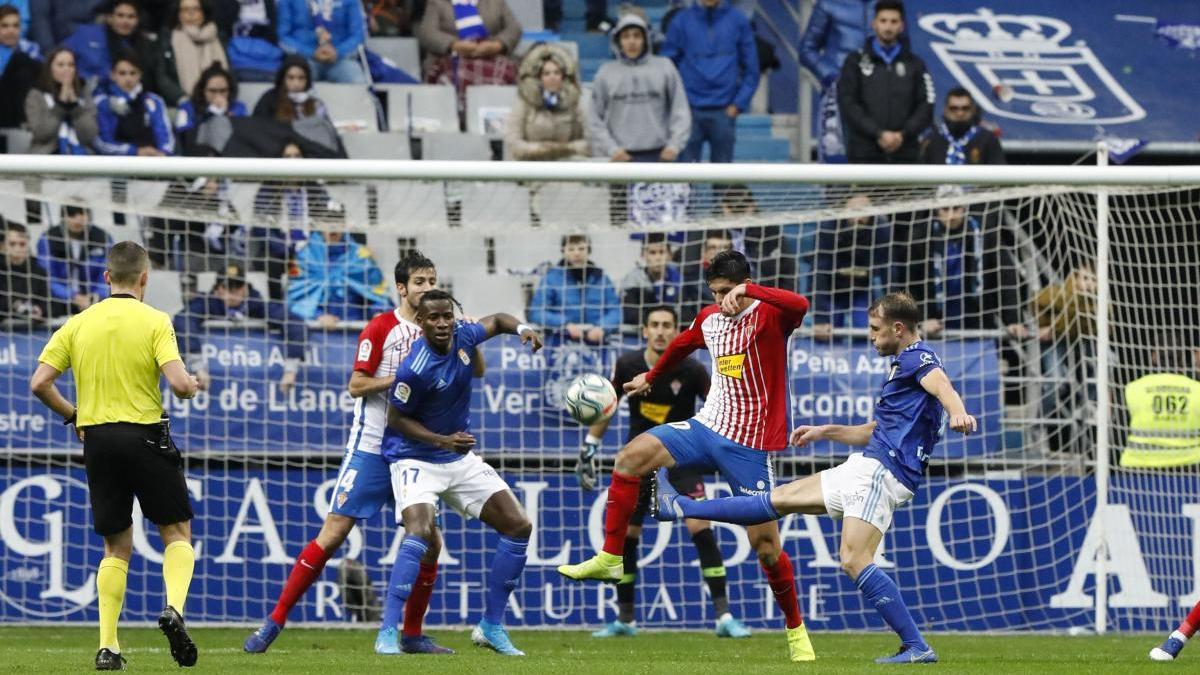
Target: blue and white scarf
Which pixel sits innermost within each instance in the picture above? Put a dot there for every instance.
(467, 20)
(68, 141)
(952, 280)
(322, 14)
(956, 148)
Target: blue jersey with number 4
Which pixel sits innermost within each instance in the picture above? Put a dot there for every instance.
(909, 420)
(435, 390)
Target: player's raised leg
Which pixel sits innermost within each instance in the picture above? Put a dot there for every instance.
(505, 515)
(860, 541)
(777, 567)
(639, 457)
(420, 537)
(1170, 648)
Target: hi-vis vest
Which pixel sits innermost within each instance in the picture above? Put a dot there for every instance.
(1164, 422)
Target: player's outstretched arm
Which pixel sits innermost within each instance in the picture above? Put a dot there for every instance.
(680, 348)
(459, 441)
(938, 384)
(497, 324)
(857, 435)
(787, 301)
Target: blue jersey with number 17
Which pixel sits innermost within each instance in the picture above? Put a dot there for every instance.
(909, 421)
(435, 390)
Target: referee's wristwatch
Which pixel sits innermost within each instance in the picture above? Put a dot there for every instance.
(71, 420)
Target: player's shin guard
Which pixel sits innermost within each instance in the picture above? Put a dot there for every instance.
(713, 568)
(627, 586)
(622, 500)
(418, 600)
(404, 575)
(507, 566)
(110, 595)
(179, 561)
(308, 567)
(782, 579)
(882, 593)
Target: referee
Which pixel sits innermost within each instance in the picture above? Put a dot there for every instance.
(116, 349)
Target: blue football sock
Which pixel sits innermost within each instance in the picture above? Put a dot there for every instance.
(506, 570)
(752, 510)
(881, 592)
(404, 575)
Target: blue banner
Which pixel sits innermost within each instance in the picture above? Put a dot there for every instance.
(989, 554)
(517, 409)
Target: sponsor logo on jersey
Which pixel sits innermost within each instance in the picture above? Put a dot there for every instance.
(731, 365)
(364, 350)
(462, 356)
(403, 391)
(676, 387)
(341, 498)
(655, 412)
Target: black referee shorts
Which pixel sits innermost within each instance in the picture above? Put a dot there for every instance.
(687, 482)
(125, 461)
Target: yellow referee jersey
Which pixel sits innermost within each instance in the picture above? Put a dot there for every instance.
(115, 349)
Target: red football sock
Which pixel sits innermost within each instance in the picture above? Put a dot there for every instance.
(1192, 622)
(622, 500)
(418, 600)
(782, 579)
(308, 567)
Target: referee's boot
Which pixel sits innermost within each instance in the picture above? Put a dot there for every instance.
(183, 650)
(107, 659)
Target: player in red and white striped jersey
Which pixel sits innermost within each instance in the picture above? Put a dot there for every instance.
(364, 481)
(743, 419)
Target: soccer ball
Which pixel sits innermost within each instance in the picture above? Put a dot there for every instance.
(590, 399)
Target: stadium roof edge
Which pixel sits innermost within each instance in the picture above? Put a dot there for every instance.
(27, 166)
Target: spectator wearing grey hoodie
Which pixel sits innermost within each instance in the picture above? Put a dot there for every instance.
(639, 107)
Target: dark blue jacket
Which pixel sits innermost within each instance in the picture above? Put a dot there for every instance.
(52, 21)
(836, 28)
(575, 296)
(111, 140)
(189, 323)
(716, 56)
(298, 30)
(69, 274)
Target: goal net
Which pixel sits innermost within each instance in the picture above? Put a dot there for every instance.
(270, 274)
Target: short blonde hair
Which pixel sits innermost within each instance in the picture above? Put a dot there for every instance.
(126, 262)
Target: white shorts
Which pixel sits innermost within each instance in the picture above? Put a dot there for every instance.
(863, 488)
(465, 484)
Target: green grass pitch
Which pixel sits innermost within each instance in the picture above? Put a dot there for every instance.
(333, 652)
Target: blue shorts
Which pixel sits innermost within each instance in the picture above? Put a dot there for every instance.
(364, 485)
(695, 446)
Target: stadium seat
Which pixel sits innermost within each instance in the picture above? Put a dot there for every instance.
(383, 145)
(257, 280)
(454, 253)
(12, 200)
(403, 51)
(242, 195)
(571, 204)
(408, 205)
(522, 254)
(528, 13)
(163, 291)
(353, 198)
(418, 109)
(250, 92)
(487, 108)
(351, 106)
(455, 146)
(16, 141)
(495, 206)
(482, 294)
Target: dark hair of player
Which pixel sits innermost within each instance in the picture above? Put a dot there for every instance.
(437, 295)
(885, 5)
(126, 262)
(569, 239)
(660, 308)
(897, 307)
(414, 260)
(729, 265)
